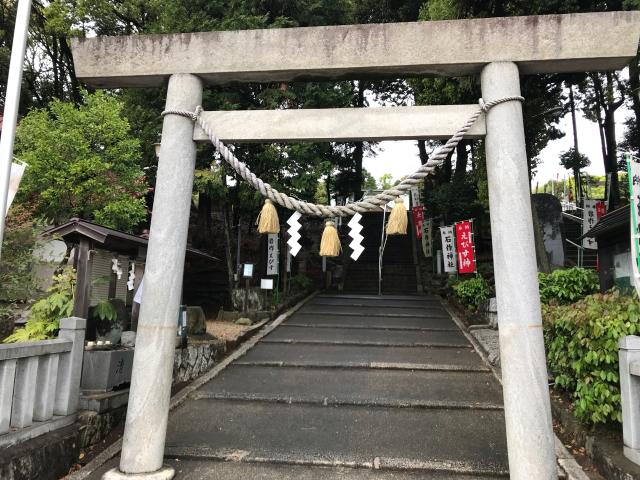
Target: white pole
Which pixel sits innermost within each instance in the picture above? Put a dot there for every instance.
(527, 407)
(11, 103)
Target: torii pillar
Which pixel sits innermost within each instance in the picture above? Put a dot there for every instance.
(499, 49)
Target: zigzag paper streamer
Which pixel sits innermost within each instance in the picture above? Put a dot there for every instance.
(294, 234)
(354, 233)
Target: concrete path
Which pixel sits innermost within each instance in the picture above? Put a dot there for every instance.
(350, 387)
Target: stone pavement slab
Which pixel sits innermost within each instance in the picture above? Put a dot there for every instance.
(368, 337)
(432, 310)
(439, 439)
(416, 302)
(442, 322)
(357, 386)
(388, 391)
(187, 469)
(422, 358)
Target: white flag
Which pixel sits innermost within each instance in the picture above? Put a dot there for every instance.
(17, 170)
(449, 249)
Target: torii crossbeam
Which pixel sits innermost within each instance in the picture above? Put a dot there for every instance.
(498, 49)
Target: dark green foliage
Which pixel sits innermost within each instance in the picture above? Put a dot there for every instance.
(45, 314)
(82, 162)
(582, 351)
(568, 285)
(472, 291)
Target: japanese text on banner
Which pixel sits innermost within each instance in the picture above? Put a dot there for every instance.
(593, 210)
(418, 218)
(465, 247)
(272, 254)
(448, 249)
(427, 237)
(633, 172)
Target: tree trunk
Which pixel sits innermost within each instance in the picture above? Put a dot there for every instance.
(358, 153)
(446, 173)
(541, 252)
(576, 171)
(634, 87)
(462, 157)
(424, 158)
(227, 247)
(611, 166)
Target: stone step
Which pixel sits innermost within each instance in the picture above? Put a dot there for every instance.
(374, 310)
(379, 297)
(199, 470)
(412, 358)
(448, 440)
(352, 336)
(328, 386)
(417, 303)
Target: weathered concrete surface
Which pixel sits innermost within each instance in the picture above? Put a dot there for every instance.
(307, 411)
(341, 124)
(360, 386)
(418, 358)
(375, 310)
(369, 321)
(187, 469)
(538, 44)
(437, 439)
(47, 457)
(352, 336)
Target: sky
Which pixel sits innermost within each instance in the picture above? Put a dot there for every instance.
(400, 158)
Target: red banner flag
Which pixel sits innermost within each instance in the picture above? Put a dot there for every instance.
(418, 217)
(464, 247)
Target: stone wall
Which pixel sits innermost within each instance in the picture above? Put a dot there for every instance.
(47, 457)
(197, 358)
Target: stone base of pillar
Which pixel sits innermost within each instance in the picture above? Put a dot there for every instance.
(165, 473)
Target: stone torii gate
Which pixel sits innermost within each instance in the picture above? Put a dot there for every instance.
(498, 49)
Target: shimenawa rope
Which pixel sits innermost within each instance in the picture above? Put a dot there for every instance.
(369, 204)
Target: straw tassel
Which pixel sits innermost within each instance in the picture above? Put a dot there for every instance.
(268, 219)
(330, 243)
(397, 224)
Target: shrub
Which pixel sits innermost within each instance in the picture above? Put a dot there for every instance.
(582, 350)
(45, 314)
(471, 292)
(299, 283)
(567, 286)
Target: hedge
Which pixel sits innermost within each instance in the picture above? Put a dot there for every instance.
(582, 350)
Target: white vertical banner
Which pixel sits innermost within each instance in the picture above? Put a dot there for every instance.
(449, 249)
(272, 254)
(633, 173)
(593, 210)
(17, 171)
(415, 197)
(427, 237)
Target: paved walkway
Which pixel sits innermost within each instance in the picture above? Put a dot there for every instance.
(389, 384)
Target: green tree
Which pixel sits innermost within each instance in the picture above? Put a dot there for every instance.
(82, 161)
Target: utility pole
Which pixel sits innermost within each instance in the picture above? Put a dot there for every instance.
(11, 104)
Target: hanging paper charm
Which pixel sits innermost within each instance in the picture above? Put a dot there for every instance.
(132, 276)
(294, 234)
(354, 233)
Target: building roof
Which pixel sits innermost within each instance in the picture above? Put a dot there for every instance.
(615, 220)
(76, 228)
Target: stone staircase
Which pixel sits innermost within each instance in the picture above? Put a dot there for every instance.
(398, 268)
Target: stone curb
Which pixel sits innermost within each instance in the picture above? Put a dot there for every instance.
(566, 463)
(113, 450)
